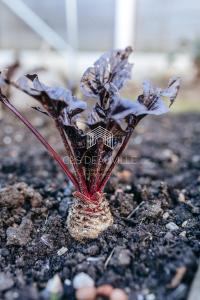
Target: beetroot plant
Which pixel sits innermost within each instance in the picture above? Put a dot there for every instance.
(94, 148)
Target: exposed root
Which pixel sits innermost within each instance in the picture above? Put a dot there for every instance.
(87, 220)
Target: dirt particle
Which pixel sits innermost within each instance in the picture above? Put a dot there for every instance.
(19, 235)
(124, 257)
(11, 197)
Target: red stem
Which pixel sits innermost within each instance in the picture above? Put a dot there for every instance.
(113, 164)
(51, 151)
(79, 171)
(70, 153)
(96, 174)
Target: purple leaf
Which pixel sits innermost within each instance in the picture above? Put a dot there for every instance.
(57, 101)
(108, 74)
(149, 103)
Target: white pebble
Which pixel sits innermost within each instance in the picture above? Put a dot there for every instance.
(82, 280)
(184, 224)
(150, 297)
(54, 286)
(172, 226)
(62, 251)
(165, 215)
(118, 294)
(67, 282)
(183, 233)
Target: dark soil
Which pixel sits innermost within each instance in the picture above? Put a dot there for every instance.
(161, 178)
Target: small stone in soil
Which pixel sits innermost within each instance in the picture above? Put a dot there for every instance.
(118, 294)
(67, 282)
(105, 290)
(183, 233)
(181, 197)
(47, 240)
(124, 257)
(6, 281)
(150, 297)
(62, 251)
(165, 215)
(54, 287)
(86, 293)
(82, 280)
(125, 176)
(19, 235)
(172, 226)
(63, 206)
(168, 236)
(184, 224)
(92, 250)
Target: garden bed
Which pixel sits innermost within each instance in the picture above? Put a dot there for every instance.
(152, 249)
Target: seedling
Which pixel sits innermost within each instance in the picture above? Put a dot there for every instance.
(93, 150)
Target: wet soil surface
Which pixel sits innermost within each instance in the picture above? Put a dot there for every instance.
(152, 249)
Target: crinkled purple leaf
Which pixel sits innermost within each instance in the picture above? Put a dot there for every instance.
(108, 74)
(149, 103)
(172, 90)
(58, 101)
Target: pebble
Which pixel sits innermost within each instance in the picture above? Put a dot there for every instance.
(181, 198)
(183, 233)
(104, 290)
(67, 282)
(62, 251)
(125, 176)
(6, 281)
(54, 286)
(128, 188)
(172, 226)
(184, 224)
(154, 210)
(165, 215)
(64, 206)
(4, 252)
(118, 294)
(150, 297)
(86, 293)
(82, 280)
(93, 250)
(195, 210)
(168, 236)
(124, 257)
(47, 240)
(11, 295)
(67, 191)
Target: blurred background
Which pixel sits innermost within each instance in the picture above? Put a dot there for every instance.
(59, 39)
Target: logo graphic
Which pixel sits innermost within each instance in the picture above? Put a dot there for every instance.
(100, 132)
